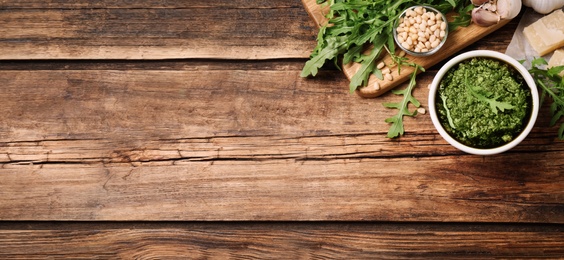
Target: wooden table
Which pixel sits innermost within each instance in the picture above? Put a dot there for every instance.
(162, 129)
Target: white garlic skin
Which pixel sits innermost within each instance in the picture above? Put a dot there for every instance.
(544, 6)
(508, 9)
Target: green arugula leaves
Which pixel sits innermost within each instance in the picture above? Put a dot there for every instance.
(368, 65)
(396, 129)
(356, 24)
(552, 85)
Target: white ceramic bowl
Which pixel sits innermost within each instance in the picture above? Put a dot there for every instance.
(487, 54)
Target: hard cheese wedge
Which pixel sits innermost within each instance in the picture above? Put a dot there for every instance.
(546, 34)
(557, 60)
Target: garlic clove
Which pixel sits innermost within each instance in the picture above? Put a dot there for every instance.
(484, 17)
(508, 9)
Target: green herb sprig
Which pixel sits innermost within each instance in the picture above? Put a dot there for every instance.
(485, 96)
(552, 86)
(396, 128)
(355, 24)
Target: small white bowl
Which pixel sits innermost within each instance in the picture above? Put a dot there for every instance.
(486, 54)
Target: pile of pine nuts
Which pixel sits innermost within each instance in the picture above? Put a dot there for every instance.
(421, 30)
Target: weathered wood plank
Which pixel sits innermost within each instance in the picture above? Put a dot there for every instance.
(213, 144)
(155, 30)
(418, 189)
(287, 241)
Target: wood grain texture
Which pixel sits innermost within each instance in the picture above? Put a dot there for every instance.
(456, 41)
(154, 30)
(210, 121)
(283, 241)
(203, 144)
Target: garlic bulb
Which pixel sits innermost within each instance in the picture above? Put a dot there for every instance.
(508, 9)
(490, 12)
(544, 6)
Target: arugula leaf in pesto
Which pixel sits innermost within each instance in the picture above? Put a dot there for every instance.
(478, 93)
(447, 110)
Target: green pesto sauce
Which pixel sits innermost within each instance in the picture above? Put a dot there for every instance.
(483, 102)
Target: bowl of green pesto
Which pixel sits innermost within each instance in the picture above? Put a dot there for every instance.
(483, 102)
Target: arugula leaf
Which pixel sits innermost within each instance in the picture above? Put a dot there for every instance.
(449, 117)
(330, 52)
(368, 65)
(397, 129)
(463, 18)
(538, 62)
(556, 116)
(552, 86)
(452, 2)
(353, 54)
(494, 104)
(555, 70)
(378, 74)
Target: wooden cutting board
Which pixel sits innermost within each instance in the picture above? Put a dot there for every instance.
(456, 41)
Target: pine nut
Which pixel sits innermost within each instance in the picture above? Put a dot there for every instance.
(421, 45)
(422, 27)
(425, 16)
(419, 10)
(380, 65)
(421, 110)
(435, 43)
(376, 86)
(405, 45)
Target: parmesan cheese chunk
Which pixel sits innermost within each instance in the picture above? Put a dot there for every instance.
(546, 34)
(557, 60)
